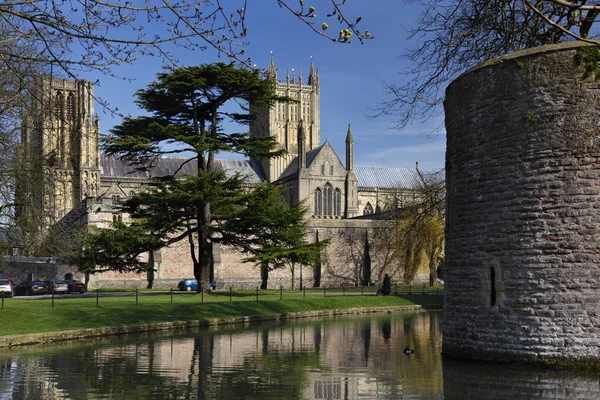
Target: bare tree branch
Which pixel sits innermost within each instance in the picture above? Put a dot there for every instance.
(453, 36)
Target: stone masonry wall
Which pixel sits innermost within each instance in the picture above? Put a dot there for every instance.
(42, 268)
(523, 219)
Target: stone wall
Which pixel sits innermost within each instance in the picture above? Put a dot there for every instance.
(342, 259)
(342, 262)
(523, 217)
(18, 268)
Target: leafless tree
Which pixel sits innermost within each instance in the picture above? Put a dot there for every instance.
(83, 35)
(452, 36)
(384, 251)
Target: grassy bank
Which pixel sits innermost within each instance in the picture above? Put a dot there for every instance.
(32, 316)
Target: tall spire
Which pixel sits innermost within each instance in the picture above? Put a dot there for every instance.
(272, 70)
(349, 150)
(313, 76)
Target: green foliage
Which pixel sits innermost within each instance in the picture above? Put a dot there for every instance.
(423, 237)
(520, 64)
(115, 249)
(187, 107)
(530, 118)
(588, 58)
(420, 229)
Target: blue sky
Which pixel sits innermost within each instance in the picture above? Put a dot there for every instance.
(351, 77)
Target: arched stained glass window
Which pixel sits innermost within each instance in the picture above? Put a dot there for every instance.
(318, 202)
(328, 200)
(337, 203)
(368, 209)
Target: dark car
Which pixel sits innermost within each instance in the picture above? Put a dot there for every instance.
(76, 286)
(28, 288)
(58, 287)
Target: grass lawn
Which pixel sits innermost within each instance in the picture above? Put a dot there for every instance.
(30, 316)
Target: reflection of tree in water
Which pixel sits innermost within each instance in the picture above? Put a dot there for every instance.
(493, 381)
(117, 372)
(288, 361)
(201, 365)
(386, 330)
(366, 334)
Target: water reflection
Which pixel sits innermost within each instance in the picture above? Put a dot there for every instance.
(342, 358)
(489, 381)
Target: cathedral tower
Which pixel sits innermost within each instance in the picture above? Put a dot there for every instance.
(60, 141)
(283, 119)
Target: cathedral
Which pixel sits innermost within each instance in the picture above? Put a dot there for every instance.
(78, 185)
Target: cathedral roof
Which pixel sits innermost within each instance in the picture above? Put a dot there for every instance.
(292, 167)
(388, 177)
(113, 166)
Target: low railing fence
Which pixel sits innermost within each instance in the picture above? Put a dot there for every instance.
(232, 295)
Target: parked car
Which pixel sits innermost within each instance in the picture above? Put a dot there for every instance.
(58, 287)
(191, 284)
(28, 288)
(188, 285)
(76, 286)
(6, 287)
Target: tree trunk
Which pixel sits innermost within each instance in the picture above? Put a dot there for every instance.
(293, 267)
(202, 262)
(150, 272)
(264, 276)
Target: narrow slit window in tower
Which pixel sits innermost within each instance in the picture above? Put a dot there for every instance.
(492, 286)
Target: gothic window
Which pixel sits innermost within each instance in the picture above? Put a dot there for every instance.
(331, 170)
(70, 106)
(328, 200)
(323, 169)
(337, 203)
(58, 105)
(368, 209)
(318, 202)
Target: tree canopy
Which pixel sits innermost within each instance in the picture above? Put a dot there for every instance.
(186, 109)
(452, 36)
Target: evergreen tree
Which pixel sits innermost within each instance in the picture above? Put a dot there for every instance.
(187, 107)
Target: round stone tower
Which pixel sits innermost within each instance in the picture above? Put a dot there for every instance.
(523, 219)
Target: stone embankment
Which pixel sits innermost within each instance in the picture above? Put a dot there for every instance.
(48, 337)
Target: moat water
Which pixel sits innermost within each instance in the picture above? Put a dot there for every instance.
(336, 358)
